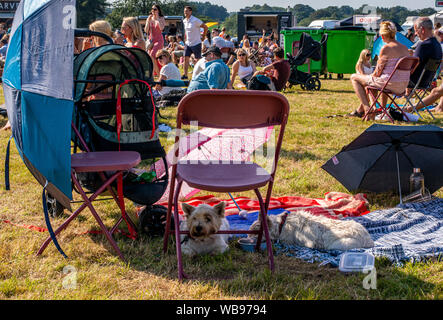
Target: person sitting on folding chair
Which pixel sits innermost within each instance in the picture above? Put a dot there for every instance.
(388, 58)
(428, 48)
(278, 72)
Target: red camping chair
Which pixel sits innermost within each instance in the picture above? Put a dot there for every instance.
(100, 162)
(404, 64)
(226, 109)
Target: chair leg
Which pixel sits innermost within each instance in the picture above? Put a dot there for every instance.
(265, 228)
(169, 211)
(73, 216)
(181, 273)
(88, 203)
(61, 228)
(128, 218)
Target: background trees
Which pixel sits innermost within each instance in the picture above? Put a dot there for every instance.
(90, 10)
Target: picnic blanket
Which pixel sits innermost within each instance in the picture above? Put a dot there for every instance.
(408, 232)
(335, 205)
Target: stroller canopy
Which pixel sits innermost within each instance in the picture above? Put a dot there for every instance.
(309, 48)
(114, 63)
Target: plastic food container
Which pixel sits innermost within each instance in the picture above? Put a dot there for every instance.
(356, 262)
(248, 244)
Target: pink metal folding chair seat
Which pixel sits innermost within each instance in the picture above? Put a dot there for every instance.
(220, 177)
(404, 64)
(104, 161)
(226, 109)
(114, 161)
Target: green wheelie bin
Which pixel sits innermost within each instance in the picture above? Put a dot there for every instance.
(344, 47)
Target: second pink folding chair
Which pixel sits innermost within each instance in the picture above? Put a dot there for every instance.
(226, 109)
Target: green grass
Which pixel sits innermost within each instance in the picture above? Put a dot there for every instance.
(310, 140)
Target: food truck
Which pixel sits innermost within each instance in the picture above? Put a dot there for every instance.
(253, 23)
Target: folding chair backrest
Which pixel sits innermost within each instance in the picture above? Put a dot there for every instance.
(428, 73)
(407, 64)
(404, 64)
(233, 109)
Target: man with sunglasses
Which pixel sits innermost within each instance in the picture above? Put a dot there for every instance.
(193, 40)
(215, 75)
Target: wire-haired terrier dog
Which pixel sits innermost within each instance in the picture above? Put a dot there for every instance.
(203, 222)
(317, 232)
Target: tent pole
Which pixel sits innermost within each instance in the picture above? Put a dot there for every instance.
(398, 176)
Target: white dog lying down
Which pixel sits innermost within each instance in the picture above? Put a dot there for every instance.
(317, 232)
(203, 222)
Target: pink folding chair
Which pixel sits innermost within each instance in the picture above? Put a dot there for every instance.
(117, 162)
(226, 109)
(404, 64)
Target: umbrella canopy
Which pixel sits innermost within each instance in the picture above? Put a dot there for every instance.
(376, 159)
(38, 88)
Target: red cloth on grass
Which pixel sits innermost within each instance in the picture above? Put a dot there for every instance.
(334, 205)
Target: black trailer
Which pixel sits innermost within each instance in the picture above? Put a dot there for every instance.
(253, 23)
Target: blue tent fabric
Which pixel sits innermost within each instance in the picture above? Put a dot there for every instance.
(34, 109)
(38, 83)
(12, 68)
(31, 6)
(47, 66)
(379, 43)
(14, 113)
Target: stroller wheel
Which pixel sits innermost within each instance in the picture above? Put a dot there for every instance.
(313, 84)
(55, 209)
(152, 220)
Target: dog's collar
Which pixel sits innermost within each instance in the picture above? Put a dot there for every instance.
(185, 239)
(283, 221)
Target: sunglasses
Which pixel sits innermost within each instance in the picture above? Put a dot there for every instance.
(154, 9)
(368, 54)
(241, 54)
(160, 57)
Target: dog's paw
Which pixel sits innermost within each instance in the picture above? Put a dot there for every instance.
(222, 249)
(186, 250)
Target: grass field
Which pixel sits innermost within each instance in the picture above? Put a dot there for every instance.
(310, 140)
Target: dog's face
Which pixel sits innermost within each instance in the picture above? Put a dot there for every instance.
(204, 220)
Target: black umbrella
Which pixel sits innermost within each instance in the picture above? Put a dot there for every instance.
(383, 157)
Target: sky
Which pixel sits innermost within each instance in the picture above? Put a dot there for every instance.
(235, 5)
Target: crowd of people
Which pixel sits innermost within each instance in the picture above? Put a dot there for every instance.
(428, 45)
(208, 52)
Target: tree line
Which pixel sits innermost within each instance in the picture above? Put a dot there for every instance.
(90, 10)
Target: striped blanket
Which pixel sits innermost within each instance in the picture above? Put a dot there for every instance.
(408, 232)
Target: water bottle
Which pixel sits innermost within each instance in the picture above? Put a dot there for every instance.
(416, 181)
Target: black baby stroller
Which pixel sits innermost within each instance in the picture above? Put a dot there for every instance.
(309, 49)
(104, 78)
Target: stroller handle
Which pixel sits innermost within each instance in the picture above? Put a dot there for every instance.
(89, 33)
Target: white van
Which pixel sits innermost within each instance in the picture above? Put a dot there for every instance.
(325, 24)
